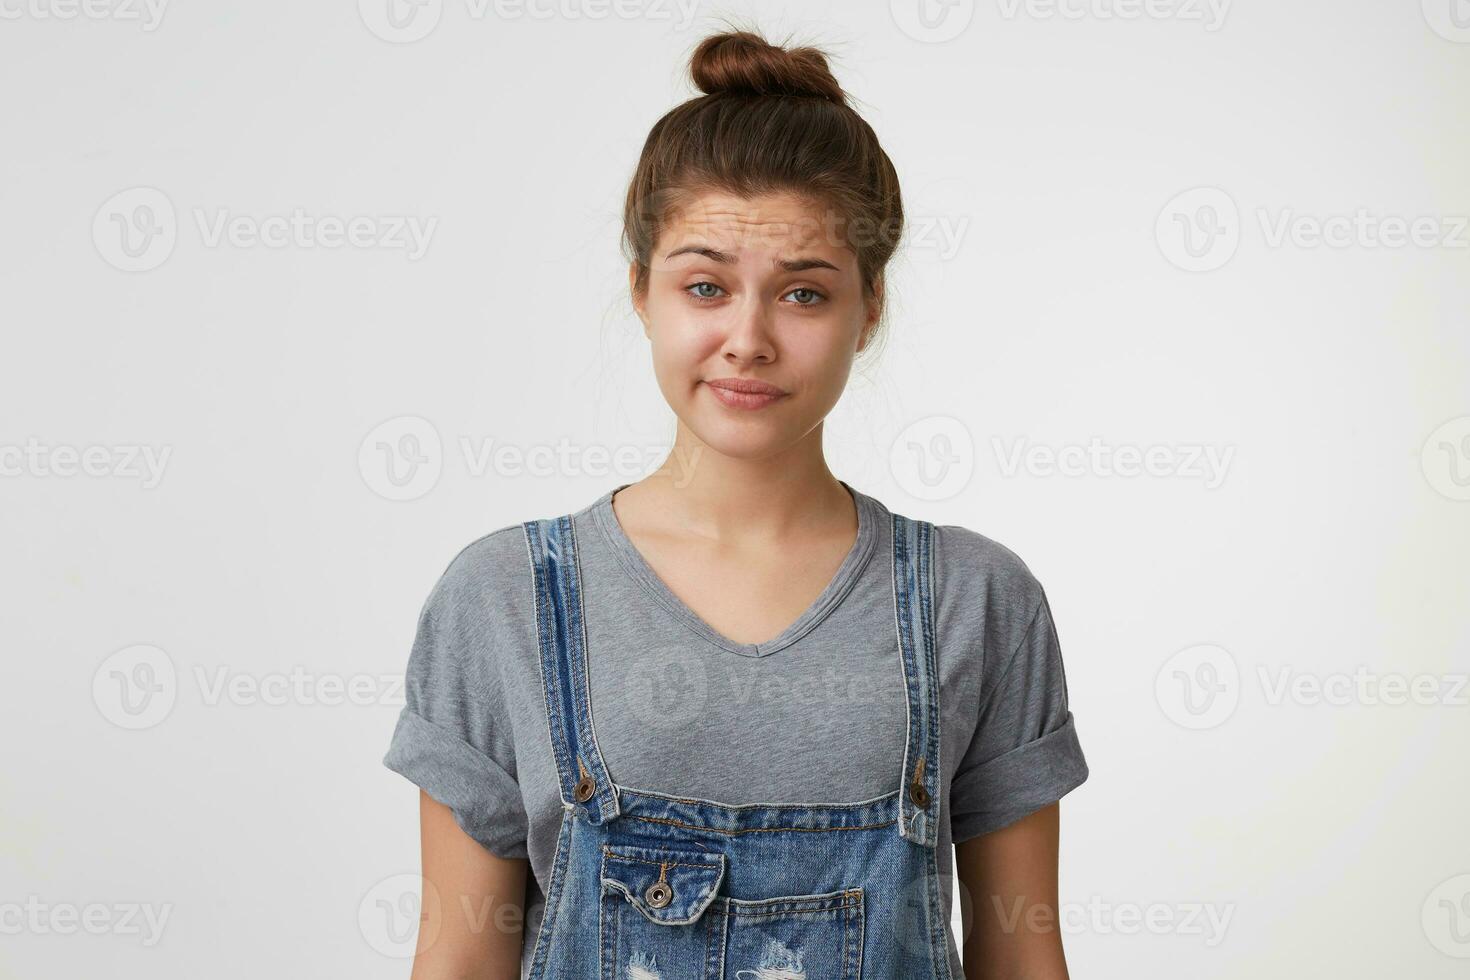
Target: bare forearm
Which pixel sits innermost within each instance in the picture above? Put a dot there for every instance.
(1014, 939)
(472, 907)
(1009, 878)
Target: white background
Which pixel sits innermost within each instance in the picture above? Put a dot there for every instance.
(1066, 309)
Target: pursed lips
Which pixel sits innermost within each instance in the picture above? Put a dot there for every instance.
(744, 392)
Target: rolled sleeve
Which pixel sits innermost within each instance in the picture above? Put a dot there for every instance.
(485, 799)
(1025, 753)
(454, 736)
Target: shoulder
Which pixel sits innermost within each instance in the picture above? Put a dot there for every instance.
(480, 614)
(983, 590)
(493, 572)
(971, 568)
(968, 560)
(484, 566)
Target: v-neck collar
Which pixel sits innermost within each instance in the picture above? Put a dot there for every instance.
(869, 515)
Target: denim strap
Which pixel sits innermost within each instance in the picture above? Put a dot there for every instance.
(913, 610)
(561, 631)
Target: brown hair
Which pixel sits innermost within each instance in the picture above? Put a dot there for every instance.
(772, 120)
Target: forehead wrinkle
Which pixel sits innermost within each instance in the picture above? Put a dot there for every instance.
(727, 258)
(799, 226)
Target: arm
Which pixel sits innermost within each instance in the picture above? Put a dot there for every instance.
(474, 904)
(1010, 876)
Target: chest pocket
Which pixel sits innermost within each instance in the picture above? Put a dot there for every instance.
(662, 918)
(653, 916)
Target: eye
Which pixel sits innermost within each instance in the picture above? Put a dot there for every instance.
(810, 292)
(806, 296)
(705, 297)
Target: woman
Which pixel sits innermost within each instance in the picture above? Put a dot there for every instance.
(733, 717)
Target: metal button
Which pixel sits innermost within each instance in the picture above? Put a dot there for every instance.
(584, 789)
(659, 894)
(918, 794)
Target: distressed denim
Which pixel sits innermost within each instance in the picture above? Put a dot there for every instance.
(648, 886)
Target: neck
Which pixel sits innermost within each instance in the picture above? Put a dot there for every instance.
(716, 495)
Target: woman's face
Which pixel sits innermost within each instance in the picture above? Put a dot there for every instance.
(753, 290)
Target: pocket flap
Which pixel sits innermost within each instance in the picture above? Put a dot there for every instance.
(670, 886)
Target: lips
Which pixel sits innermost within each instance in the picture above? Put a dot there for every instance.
(744, 392)
(750, 386)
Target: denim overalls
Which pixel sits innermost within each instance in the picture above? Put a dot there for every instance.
(647, 886)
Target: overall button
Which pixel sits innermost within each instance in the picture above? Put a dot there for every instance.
(659, 894)
(584, 789)
(919, 794)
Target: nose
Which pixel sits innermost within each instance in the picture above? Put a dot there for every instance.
(748, 334)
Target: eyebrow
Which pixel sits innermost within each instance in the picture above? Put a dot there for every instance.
(787, 265)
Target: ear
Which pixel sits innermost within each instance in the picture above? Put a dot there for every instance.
(633, 294)
(872, 309)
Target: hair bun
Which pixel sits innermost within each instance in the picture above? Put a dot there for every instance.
(745, 63)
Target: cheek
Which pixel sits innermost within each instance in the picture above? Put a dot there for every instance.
(821, 357)
(679, 350)
(678, 338)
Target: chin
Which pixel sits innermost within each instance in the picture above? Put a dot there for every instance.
(752, 439)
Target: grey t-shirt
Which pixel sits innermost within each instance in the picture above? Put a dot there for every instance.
(815, 715)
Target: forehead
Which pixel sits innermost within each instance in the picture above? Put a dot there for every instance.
(767, 223)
